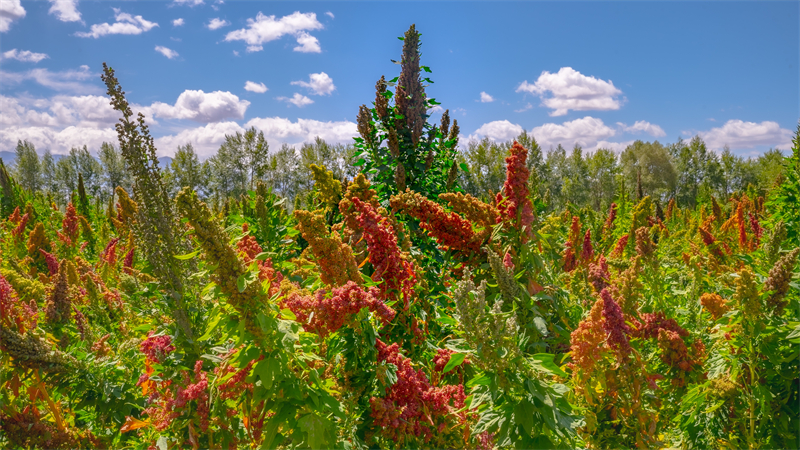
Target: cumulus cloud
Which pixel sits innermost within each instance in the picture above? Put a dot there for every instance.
(738, 134)
(486, 98)
(318, 84)
(571, 90)
(10, 10)
(68, 80)
(617, 147)
(586, 132)
(200, 106)
(282, 130)
(125, 24)
(24, 55)
(307, 44)
(255, 87)
(169, 53)
(643, 126)
(297, 100)
(178, 22)
(217, 23)
(499, 130)
(267, 28)
(58, 123)
(65, 10)
(206, 140)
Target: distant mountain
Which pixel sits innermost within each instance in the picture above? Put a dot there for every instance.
(164, 161)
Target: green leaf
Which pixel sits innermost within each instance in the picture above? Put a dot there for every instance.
(795, 334)
(288, 314)
(447, 320)
(426, 69)
(360, 162)
(523, 415)
(541, 325)
(316, 428)
(187, 256)
(464, 167)
(479, 380)
(545, 360)
(455, 360)
(268, 370)
(212, 325)
(241, 283)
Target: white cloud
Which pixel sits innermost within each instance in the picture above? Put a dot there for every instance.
(267, 28)
(586, 132)
(738, 134)
(66, 10)
(499, 130)
(178, 22)
(330, 14)
(617, 147)
(10, 10)
(200, 107)
(255, 87)
(277, 129)
(486, 98)
(319, 84)
(571, 90)
(297, 100)
(307, 43)
(642, 125)
(187, 2)
(206, 140)
(435, 109)
(58, 123)
(216, 23)
(125, 24)
(68, 80)
(24, 55)
(169, 53)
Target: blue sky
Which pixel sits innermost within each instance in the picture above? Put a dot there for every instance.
(599, 74)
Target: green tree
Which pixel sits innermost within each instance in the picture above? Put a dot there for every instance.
(769, 169)
(487, 170)
(114, 171)
(281, 173)
(698, 171)
(186, 170)
(576, 179)
(49, 181)
(28, 168)
(556, 170)
(603, 171)
(650, 163)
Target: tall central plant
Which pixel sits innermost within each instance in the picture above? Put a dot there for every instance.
(399, 148)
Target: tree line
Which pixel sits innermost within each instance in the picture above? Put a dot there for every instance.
(687, 171)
